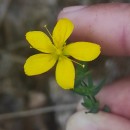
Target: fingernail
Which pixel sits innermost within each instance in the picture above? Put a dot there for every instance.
(72, 8)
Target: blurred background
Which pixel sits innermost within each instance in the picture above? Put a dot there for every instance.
(38, 103)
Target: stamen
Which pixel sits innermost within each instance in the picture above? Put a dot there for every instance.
(82, 65)
(45, 26)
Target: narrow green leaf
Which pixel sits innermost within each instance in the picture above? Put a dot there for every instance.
(87, 103)
(90, 80)
(84, 84)
(106, 109)
(94, 110)
(82, 91)
(99, 87)
(81, 72)
(93, 107)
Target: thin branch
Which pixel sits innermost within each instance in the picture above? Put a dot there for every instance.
(38, 111)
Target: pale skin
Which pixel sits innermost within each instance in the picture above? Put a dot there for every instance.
(108, 25)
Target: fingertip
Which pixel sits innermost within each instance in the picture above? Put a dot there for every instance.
(80, 121)
(104, 24)
(91, 121)
(69, 11)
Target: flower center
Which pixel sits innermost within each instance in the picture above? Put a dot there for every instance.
(59, 52)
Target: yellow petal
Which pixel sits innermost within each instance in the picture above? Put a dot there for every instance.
(84, 51)
(62, 31)
(39, 63)
(65, 73)
(40, 41)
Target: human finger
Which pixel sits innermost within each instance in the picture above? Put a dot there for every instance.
(101, 121)
(105, 24)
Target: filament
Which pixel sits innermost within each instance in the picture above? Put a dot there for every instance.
(45, 26)
(82, 65)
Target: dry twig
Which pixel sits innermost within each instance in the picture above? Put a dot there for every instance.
(34, 112)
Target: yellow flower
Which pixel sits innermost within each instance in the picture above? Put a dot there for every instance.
(55, 50)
